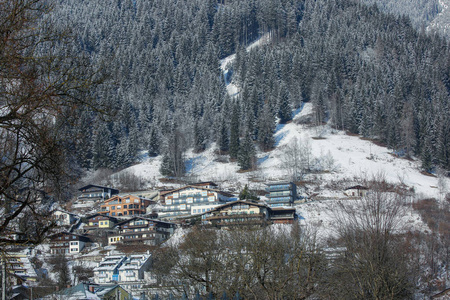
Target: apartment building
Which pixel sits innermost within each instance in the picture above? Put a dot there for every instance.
(281, 194)
(124, 206)
(191, 199)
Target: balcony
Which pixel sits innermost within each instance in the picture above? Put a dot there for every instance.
(278, 194)
(274, 188)
(280, 200)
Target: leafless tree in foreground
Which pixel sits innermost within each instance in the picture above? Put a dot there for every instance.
(40, 90)
(375, 263)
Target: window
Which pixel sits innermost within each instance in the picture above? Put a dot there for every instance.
(204, 193)
(211, 198)
(195, 211)
(113, 213)
(125, 213)
(190, 200)
(127, 201)
(125, 206)
(169, 202)
(119, 207)
(113, 207)
(182, 206)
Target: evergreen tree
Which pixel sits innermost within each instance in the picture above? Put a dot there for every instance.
(247, 194)
(173, 158)
(153, 144)
(266, 129)
(199, 138)
(284, 105)
(223, 140)
(247, 154)
(234, 132)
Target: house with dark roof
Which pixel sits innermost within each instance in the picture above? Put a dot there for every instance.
(67, 243)
(356, 191)
(95, 193)
(238, 213)
(140, 230)
(181, 202)
(90, 291)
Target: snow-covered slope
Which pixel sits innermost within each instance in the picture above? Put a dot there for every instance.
(347, 158)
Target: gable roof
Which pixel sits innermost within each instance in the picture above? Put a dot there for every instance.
(237, 202)
(86, 187)
(163, 193)
(146, 219)
(125, 197)
(357, 187)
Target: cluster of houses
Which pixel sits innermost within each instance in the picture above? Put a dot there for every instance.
(131, 219)
(150, 220)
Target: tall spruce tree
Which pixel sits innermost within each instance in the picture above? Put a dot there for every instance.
(234, 131)
(247, 154)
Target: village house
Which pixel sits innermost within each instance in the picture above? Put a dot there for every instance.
(99, 221)
(281, 215)
(142, 230)
(125, 206)
(64, 218)
(108, 269)
(90, 291)
(96, 193)
(191, 199)
(67, 243)
(281, 194)
(131, 272)
(238, 213)
(19, 268)
(356, 191)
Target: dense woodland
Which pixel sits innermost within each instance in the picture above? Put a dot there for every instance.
(366, 72)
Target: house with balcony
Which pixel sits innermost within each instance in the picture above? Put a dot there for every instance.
(131, 273)
(283, 215)
(19, 268)
(125, 206)
(67, 243)
(142, 230)
(188, 200)
(281, 194)
(95, 193)
(100, 221)
(238, 213)
(108, 269)
(64, 218)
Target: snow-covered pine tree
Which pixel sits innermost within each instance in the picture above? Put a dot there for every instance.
(234, 131)
(247, 153)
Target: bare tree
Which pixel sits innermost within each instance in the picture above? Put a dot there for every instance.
(40, 90)
(375, 264)
(296, 158)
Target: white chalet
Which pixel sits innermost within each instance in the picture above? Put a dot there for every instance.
(189, 199)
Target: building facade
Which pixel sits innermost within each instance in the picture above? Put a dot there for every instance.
(125, 206)
(67, 243)
(95, 193)
(142, 230)
(108, 269)
(238, 213)
(281, 194)
(183, 201)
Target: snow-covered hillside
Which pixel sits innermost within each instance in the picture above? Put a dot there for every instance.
(348, 158)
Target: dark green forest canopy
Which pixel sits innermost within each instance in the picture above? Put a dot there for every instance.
(365, 71)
